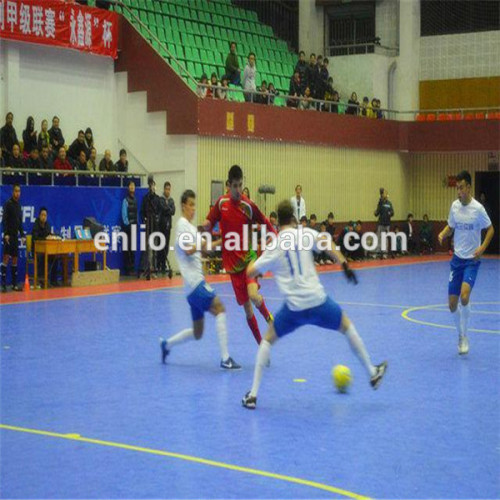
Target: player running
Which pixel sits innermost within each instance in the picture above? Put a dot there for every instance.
(467, 218)
(306, 302)
(236, 214)
(200, 296)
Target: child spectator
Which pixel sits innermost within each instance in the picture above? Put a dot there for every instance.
(295, 90)
(232, 65)
(249, 76)
(365, 105)
(352, 105)
(264, 98)
(380, 113)
(222, 90)
(212, 91)
(29, 137)
(43, 136)
(307, 103)
(272, 93)
(371, 112)
(202, 91)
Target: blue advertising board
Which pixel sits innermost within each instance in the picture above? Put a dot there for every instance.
(67, 207)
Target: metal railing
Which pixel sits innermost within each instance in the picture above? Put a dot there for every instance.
(31, 175)
(360, 48)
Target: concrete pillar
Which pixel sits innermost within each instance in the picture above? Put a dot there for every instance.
(407, 73)
(311, 27)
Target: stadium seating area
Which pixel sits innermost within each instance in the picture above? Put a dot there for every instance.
(198, 34)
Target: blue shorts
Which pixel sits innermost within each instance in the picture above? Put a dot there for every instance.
(327, 315)
(462, 271)
(200, 300)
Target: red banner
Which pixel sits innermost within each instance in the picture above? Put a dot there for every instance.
(61, 24)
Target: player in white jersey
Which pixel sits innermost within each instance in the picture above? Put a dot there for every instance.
(200, 296)
(306, 302)
(467, 218)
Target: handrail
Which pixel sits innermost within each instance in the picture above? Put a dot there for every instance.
(329, 48)
(9, 171)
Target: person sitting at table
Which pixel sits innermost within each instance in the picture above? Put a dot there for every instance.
(43, 231)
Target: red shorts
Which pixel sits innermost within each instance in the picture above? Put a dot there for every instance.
(240, 283)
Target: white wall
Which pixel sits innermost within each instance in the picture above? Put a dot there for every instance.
(387, 22)
(460, 56)
(46, 81)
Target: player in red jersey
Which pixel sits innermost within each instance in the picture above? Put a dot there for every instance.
(234, 211)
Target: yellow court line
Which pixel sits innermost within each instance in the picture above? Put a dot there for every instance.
(189, 458)
(406, 312)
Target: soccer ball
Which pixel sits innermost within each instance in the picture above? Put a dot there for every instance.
(342, 378)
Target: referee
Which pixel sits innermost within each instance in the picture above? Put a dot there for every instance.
(12, 226)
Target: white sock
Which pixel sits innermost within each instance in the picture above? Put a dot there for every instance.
(357, 345)
(262, 360)
(465, 318)
(220, 326)
(180, 338)
(457, 318)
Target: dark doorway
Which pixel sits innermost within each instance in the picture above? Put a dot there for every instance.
(488, 183)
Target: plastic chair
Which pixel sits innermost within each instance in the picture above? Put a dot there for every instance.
(469, 116)
(480, 116)
(431, 117)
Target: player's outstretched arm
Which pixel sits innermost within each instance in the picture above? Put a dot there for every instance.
(337, 255)
(444, 234)
(487, 240)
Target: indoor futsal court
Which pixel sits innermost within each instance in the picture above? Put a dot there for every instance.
(89, 411)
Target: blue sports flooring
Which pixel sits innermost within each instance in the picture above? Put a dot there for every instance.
(116, 423)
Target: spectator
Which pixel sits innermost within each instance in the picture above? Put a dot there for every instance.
(2, 161)
(43, 231)
(303, 221)
(334, 106)
(330, 228)
(33, 160)
(273, 219)
(167, 211)
(313, 222)
(122, 164)
(365, 105)
(359, 254)
(409, 230)
(307, 102)
(329, 90)
(249, 76)
(233, 71)
(89, 141)
(322, 258)
(29, 137)
(426, 240)
(399, 246)
(61, 162)
(341, 241)
(212, 91)
(310, 78)
(384, 212)
(106, 164)
(8, 137)
(43, 136)
(202, 91)
(56, 135)
(264, 98)
(15, 160)
(380, 113)
(45, 159)
(129, 218)
(77, 146)
(12, 225)
(223, 92)
(295, 90)
(246, 192)
(371, 111)
(298, 204)
(352, 105)
(301, 66)
(272, 93)
(81, 162)
(91, 163)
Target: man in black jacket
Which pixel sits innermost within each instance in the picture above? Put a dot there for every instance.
(56, 136)
(43, 231)
(409, 230)
(384, 213)
(150, 212)
(77, 146)
(12, 227)
(167, 211)
(129, 218)
(8, 137)
(311, 71)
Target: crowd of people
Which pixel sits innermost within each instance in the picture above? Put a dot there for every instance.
(47, 149)
(311, 82)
